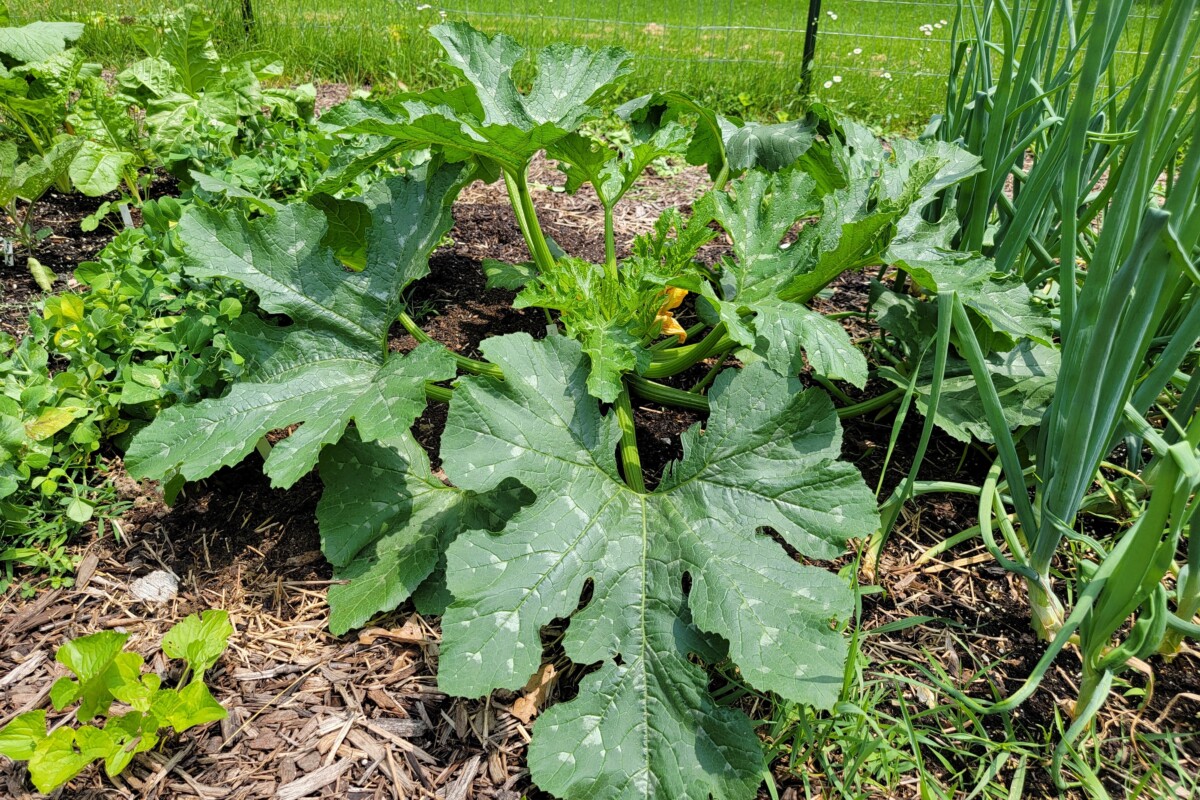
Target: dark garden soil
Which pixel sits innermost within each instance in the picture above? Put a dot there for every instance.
(360, 716)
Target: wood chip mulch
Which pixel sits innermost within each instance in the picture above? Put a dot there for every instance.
(310, 714)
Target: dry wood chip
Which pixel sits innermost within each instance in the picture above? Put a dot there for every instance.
(537, 692)
(264, 743)
(314, 781)
(384, 700)
(273, 672)
(87, 568)
(497, 769)
(27, 617)
(25, 669)
(458, 790)
(309, 762)
(411, 632)
(407, 728)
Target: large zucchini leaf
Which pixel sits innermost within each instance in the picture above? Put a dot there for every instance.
(683, 570)
(329, 367)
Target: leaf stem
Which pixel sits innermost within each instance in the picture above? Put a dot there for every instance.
(471, 365)
(723, 175)
(872, 404)
(708, 378)
(522, 202)
(675, 363)
(438, 394)
(610, 245)
(631, 462)
(667, 395)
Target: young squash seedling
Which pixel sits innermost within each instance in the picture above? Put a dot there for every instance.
(547, 502)
(105, 675)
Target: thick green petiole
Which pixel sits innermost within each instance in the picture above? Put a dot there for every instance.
(438, 394)
(470, 365)
(686, 357)
(667, 395)
(631, 462)
(522, 203)
(610, 245)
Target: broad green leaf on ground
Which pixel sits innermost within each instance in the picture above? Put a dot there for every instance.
(55, 760)
(349, 229)
(1025, 376)
(758, 217)
(489, 117)
(199, 639)
(19, 737)
(386, 521)
(112, 142)
(332, 365)
(30, 179)
(38, 41)
(97, 169)
(645, 725)
(125, 736)
(196, 706)
(93, 660)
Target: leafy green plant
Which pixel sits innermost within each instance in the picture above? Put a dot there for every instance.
(28, 180)
(1103, 226)
(50, 432)
(548, 519)
(38, 76)
(114, 151)
(190, 93)
(50, 97)
(141, 337)
(106, 675)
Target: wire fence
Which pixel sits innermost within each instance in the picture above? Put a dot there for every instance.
(885, 61)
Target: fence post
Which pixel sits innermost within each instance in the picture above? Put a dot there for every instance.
(810, 45)
(248, 15)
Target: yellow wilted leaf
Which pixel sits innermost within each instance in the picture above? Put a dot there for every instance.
(49, 422)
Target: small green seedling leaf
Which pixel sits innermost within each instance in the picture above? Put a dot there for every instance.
(93, 659)
(199, 640)
(196, 706)
(19, 737)
(55, 761)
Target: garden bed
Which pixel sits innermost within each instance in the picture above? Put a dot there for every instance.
(360, 716)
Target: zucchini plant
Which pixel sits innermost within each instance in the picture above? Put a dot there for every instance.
(546, 518)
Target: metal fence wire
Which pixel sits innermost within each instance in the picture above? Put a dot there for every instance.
(882, 60)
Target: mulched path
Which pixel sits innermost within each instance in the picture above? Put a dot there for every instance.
(360, 716)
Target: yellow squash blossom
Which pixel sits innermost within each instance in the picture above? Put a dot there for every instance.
(668, 325)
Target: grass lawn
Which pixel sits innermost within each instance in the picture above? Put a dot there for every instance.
(874, 60)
